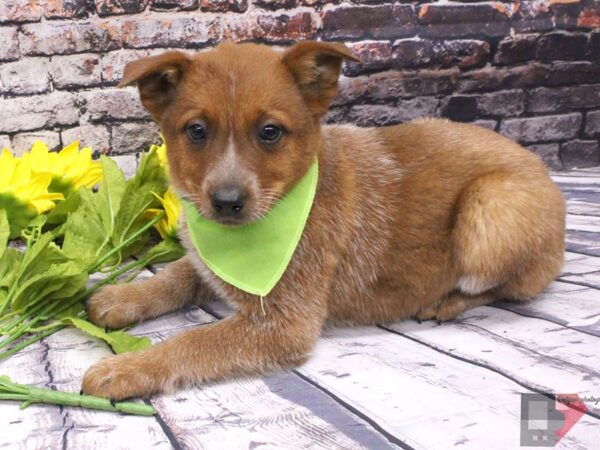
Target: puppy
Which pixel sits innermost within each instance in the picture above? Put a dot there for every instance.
(422, 220)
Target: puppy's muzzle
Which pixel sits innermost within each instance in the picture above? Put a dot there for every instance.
(228, 201)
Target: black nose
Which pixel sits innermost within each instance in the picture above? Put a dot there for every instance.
(227, 201)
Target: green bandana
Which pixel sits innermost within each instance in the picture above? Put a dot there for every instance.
(254, 257)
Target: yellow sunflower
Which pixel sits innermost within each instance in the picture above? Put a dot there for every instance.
(70, 168)
(23, 192)
(167, 227)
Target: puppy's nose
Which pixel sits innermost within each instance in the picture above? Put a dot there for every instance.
(228, 201)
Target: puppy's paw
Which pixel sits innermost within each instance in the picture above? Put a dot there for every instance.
(120, 377)
(115, 307)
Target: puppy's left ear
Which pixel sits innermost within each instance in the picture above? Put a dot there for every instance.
(316, 68)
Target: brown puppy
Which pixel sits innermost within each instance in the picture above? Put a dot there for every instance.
(423, 220)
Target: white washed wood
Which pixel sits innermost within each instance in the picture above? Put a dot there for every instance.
(70, 353)
(432, 400)
(239, 413)
(567, 304)
(583, 223)
(576, 263)
(537, 353)
(37, 426)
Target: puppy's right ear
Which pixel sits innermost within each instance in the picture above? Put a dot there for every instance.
(157, 78)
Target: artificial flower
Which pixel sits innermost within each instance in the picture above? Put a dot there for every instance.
(167, 227)
(69, 169)
(23, 192)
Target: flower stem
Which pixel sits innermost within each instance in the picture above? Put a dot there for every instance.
(30, 394)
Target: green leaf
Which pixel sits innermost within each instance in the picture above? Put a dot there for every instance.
(164, 251)
(4, 232)
(84, 236)
(120, 341)
(56, 282)
(140, 194)
(59, 214)
(9, 264)
(110, 193)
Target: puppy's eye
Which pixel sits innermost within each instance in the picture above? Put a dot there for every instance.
(270, 133)
(196, 132)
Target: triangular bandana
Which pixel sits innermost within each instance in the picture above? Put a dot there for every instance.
(254, 257)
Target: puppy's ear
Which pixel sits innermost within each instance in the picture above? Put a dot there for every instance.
(316, 68)
(157, 78)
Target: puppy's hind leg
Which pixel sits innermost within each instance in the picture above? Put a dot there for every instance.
(120, 305)
(508, 236)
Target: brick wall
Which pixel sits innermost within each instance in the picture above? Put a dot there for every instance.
(529, 69)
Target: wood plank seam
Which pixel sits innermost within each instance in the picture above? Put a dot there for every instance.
(533, 316)
(476, 363)
(390, 437)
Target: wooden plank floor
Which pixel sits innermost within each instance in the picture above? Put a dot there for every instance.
(406, 385)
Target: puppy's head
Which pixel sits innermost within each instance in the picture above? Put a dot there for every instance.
(241, 122)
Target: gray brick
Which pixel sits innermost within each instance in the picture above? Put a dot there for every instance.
(564, 98)
(113, 63)
(9, 50)
(489, 124)
(72, 71)
(578, 153)
(22, 142)
(27, 76)
(95, 136)
(592, 123)
(385, 115)
(549, 153)
(543, 128)
(127, 163)
(502, 104)
(113, 103)
(40, 111)
(4, 141)
(133, 137)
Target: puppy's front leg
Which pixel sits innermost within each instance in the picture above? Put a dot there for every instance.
(120, 305)
(242, 344)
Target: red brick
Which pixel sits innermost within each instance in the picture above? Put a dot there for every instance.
(516, 49)
(65, 9)
(224, 5)
(174, 5)
(493, 78)
(270, 28)
(53, 37)
(562, 46)
(428, 53)
(111, 7)
(455, 20)
(533, 16)
(275, 4)
(373, 55)
(385, 21)
(20, 11)
(113, 63)
(167, 30)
